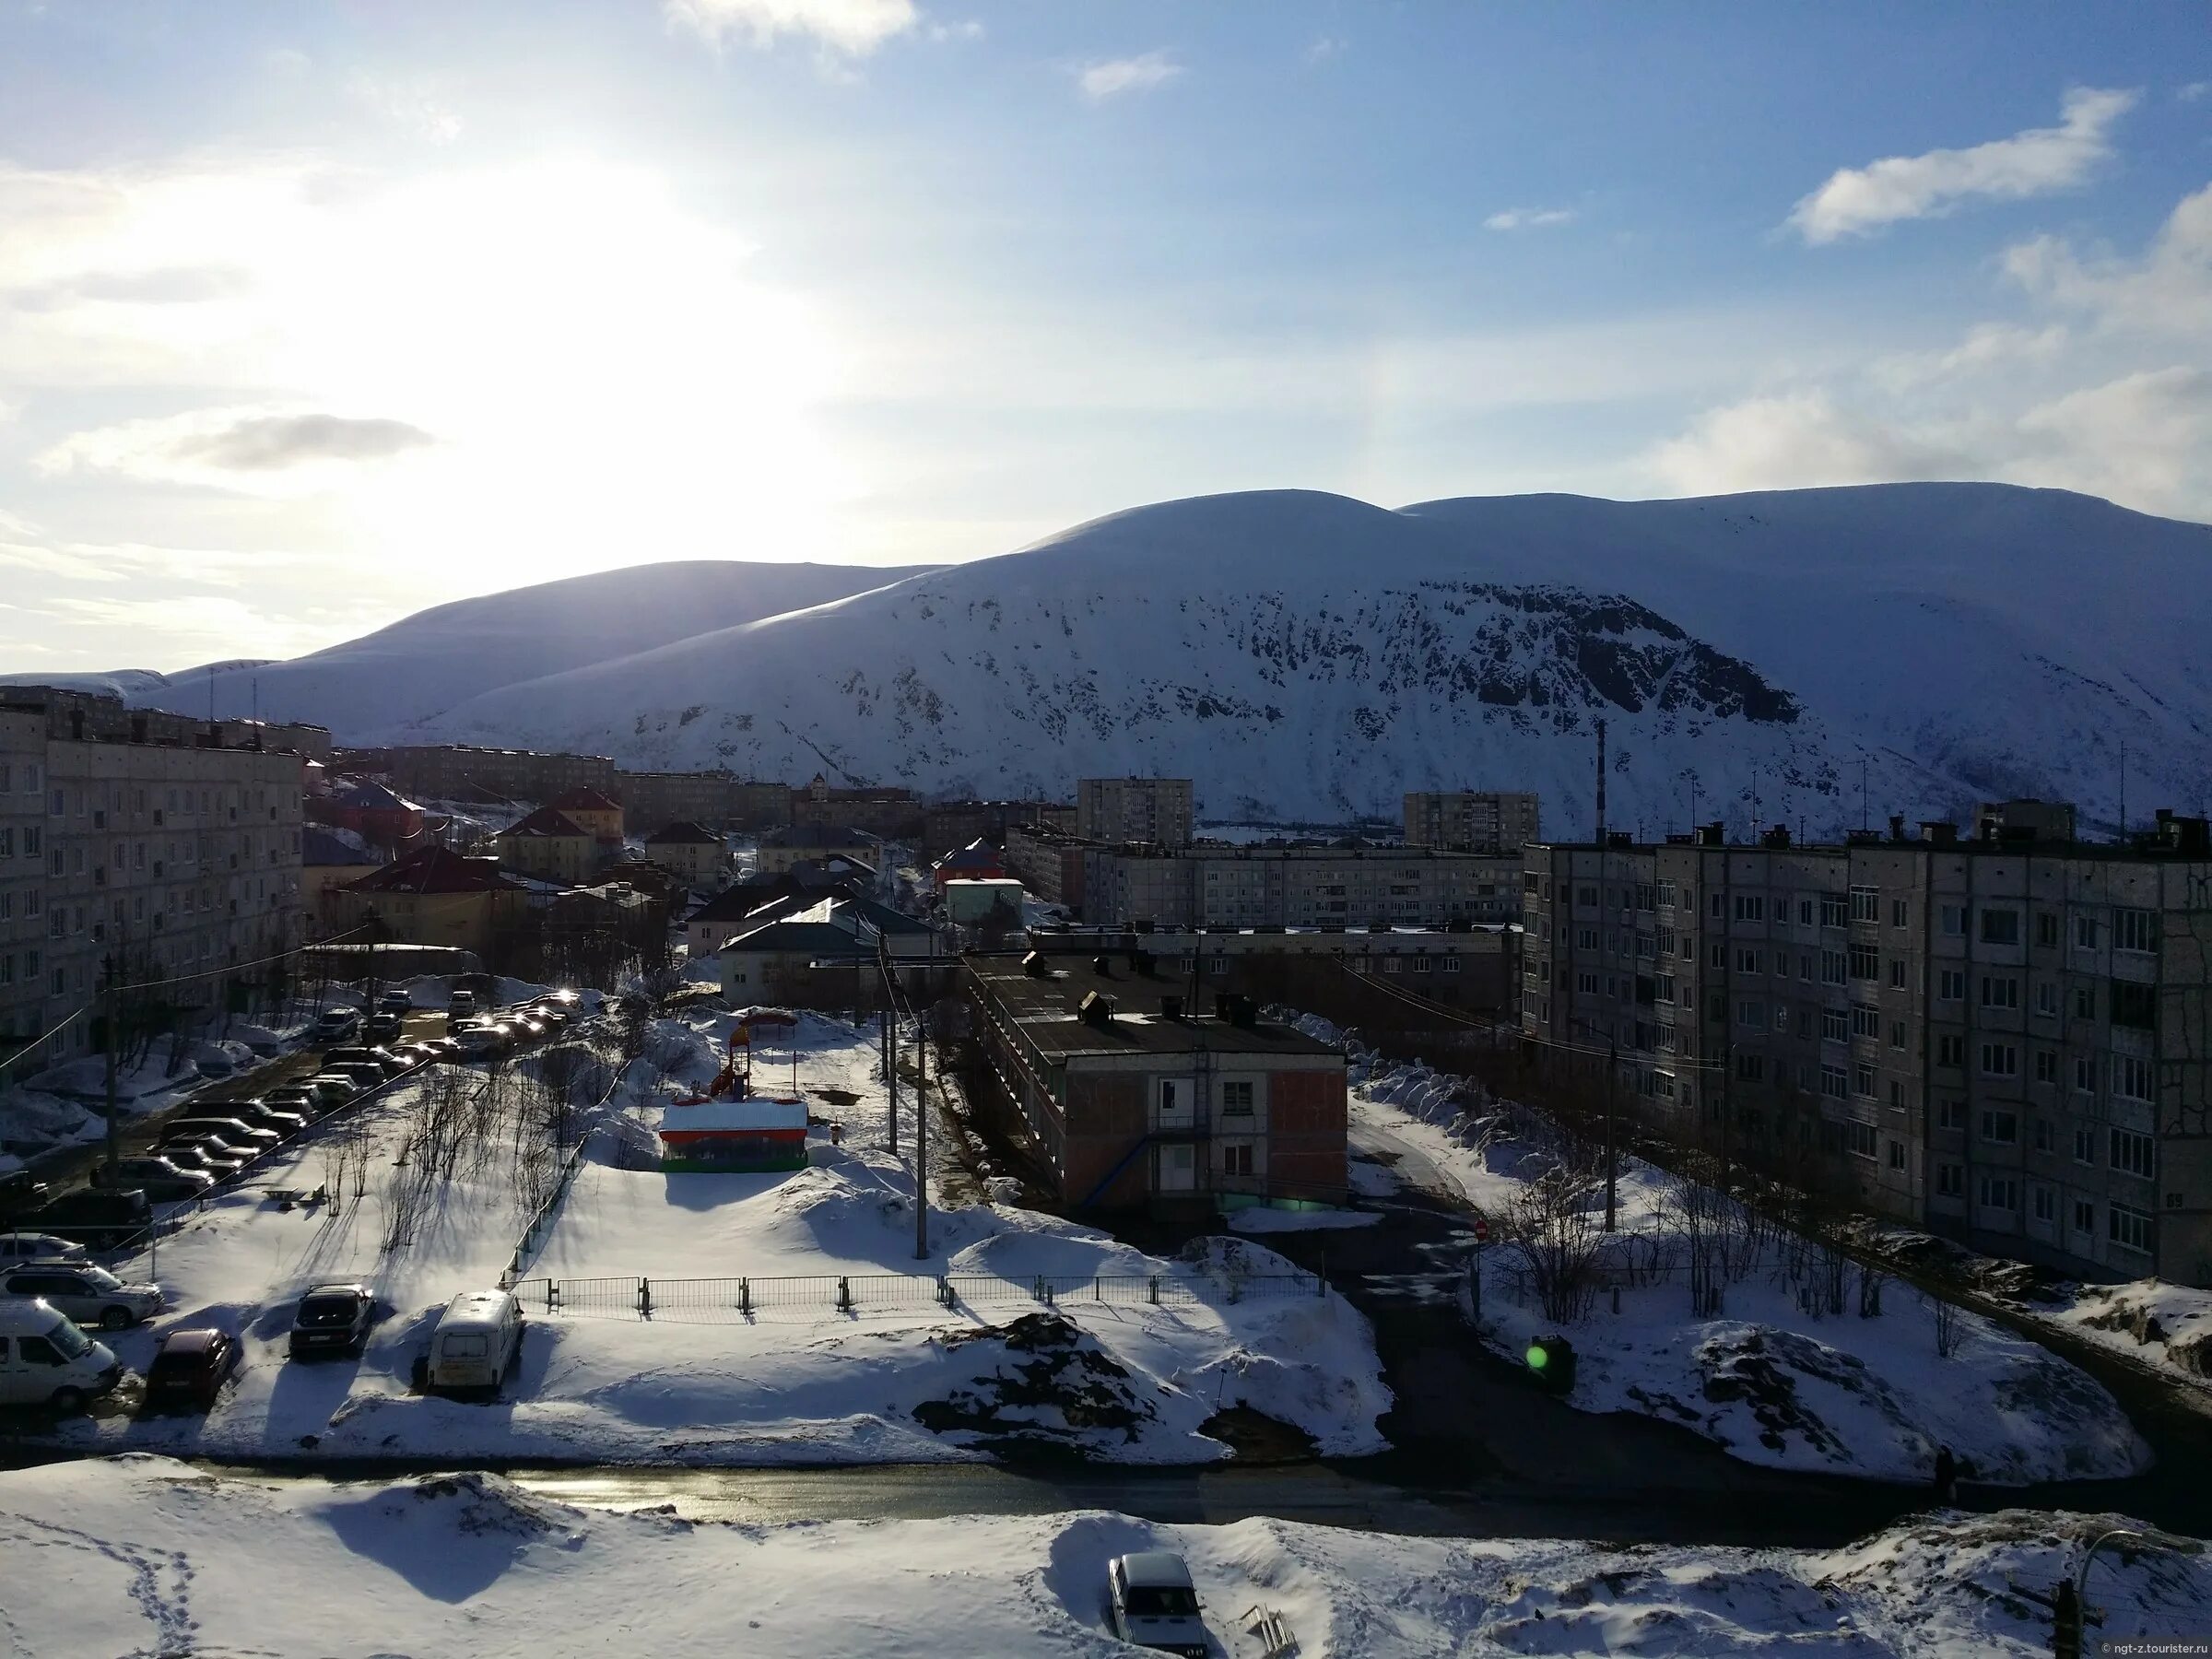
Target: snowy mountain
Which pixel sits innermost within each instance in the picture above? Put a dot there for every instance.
(382, 682)
(1305, 655)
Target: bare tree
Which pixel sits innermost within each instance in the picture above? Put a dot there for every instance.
(1550, 1224)
(1950, 1328)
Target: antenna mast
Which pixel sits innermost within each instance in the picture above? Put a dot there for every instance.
(1601, 783)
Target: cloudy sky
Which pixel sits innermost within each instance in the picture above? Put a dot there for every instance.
(313, 315)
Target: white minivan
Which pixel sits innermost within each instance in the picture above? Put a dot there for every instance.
(45, 1360)
(477, 1340)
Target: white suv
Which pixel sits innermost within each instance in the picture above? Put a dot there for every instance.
(1154, 1604)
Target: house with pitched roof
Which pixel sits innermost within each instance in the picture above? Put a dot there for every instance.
(432, 897)
(595, 812)
(692, 851)
(549, 845)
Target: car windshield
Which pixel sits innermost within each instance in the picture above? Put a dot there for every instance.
(1161, 1601)
(326, 1311)
(69, 1339)
(100, 1276)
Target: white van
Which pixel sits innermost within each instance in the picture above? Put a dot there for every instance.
(477, 1340)
(45, 1360)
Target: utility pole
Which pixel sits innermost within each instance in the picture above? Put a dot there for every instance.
(1601, 783)
(1612, 1166)
(113, 1035)
(2123, 795)
(922, 1140)
(1864, 822)
(890, 1037)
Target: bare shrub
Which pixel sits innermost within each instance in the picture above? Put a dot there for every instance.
(1550, 1225)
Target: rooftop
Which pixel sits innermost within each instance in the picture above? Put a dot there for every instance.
(548, 823)
(1046, 1007)
(684, 834)
(435, 870)
(815, 835)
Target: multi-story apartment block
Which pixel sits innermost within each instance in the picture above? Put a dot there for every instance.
(2004, 1039)
(886, 811)
(1047, 860)
(718, 800)
(1157, 810)
(1225, 887)
(1469, 820)
(452, 771)
(133, 843)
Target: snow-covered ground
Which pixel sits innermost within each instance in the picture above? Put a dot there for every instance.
(147, 1555)
(1768, 1378)
(2170, 1324)
(897, 1378)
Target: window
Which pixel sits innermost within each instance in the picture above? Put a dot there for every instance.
(2085, 932)
(2132, 1153)
(1750, 907)
(1863, 1082)
(1831, 910)
(1834, 1083)
(1448, 964)
(1835, 1025)
(1900, 916)
(1865, 904)
(1950, 1180)
(32, 836)
(1866, 962)
(1390, 964)
(2085, 1002)
(1666, 942)
(1585, 895)
(1896, 1095)
(2046, 929)
(2043, 1137)
(2129, 1228)
(2131, 1077)
(1751, 1015)
(2134, 929)
(2003, 1128)
(1237, 1161)
(1865, 1022)
(1998, 1192)
(1951, 1050)
(2085, 1074)
(1662, 989)
(2000, 991)
(1666, 892)
(2046, 1066)
(1833, 968)
(1751, 1068)
(2133, 1006)
(1896, 1033)
(2000, 1060)
(1714, 910)
(2046, 998)
(1805, 966)
(1805, 913)
(2000, 927)
(1950, 986)
(1746, 959)
(1860, 1140)
(1585, 984)
(2085, 1216)
(1236, 1098)
(2045, 1203)
(1717, 958)
(1953, 917)
(2085, 1146)
(1585, 938)
(1897, 974)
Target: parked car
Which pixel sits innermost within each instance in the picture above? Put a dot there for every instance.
(477, 1340)
(528, 1027)
(335, 1025)
(553, 1020)
(162, 1181)
(287, 1121)
(236, 1131)
(19, 1190)
(46, 1360)
(482, 1038)
(366, 1074)
(209, 1154)
(394, 1002)
(103, 1217)
(190, 1368)
(87, 1292)
(38, 1247)
(390, 1063)
(381, 1028)
(1154, 1604)
(298, 1098)
(214, 1063)
(461, 1005)
(333, 1089)
(333, 1318)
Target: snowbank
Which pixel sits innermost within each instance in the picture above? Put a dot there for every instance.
(144, 1555)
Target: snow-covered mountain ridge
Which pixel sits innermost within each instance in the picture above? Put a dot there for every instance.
(1302, 654)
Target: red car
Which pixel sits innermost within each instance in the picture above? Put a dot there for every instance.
(189, 1370)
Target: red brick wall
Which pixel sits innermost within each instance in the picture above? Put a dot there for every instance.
(1108, 1113)
(1306, 1131)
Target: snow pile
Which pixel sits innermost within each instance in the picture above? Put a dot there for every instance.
(2170, 1324)
(1772, 1378)
(145, 1555)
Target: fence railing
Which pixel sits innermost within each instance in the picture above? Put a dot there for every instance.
(828, 1293)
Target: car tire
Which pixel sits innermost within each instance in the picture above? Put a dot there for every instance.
(114, 1319)
(68, 1402)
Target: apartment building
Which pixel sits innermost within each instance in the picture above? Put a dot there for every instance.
(718, 800)
(1048, 862)
(1135, 1098)
(450, 770)
(949, 824)
(880, 811)
(2002, 1038)
(692, 852)
(1467, 821)
(1225, 887)
(1154, 810)
(134, 840)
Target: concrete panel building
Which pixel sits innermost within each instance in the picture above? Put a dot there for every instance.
(1155, 810)
(1467, 821)
(1224, 886)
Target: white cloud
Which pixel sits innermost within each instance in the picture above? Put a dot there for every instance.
(854, 27)
(1528, 218)
(1857, 201)
(410, 105)
(1793, 441)
(2193, 90)
(259, 451)
(967, 29)
(1116, 76)
(2168, 290)
(1324, 48)
(1986, 345)
(2142, 439)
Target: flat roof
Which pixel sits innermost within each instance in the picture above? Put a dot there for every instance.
(1045, 1008)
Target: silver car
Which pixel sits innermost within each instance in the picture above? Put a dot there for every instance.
(1154, 1604)
(85, 1293)
(17, 1247)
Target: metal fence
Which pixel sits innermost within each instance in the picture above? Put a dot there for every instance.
(817, 1295)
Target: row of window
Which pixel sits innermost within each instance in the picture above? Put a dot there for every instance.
(2124, 1224)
